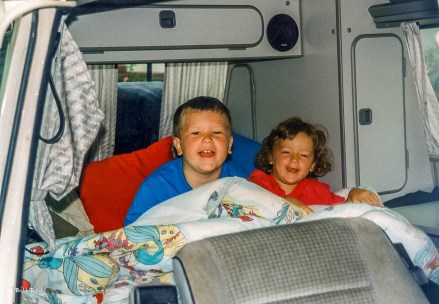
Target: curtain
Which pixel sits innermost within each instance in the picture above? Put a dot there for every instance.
(428, 102)
(58, 165)
(105, 79)
(184, 81)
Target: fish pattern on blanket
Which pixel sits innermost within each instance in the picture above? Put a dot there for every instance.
(104, 267)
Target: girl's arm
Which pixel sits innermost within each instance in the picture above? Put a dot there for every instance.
(299, 204)
(358, 195)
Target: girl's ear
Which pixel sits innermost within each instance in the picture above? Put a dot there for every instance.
(230, 144)
(177, 146)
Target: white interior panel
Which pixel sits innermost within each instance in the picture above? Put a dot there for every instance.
(422, 214)
(204, 30)
(379, 90)
(239, 100)
(139, 28)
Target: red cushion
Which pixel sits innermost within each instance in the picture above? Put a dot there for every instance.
(108, 187)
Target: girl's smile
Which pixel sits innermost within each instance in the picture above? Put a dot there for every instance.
(292, 160)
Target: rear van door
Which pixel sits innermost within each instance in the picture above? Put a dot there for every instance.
(25, 33)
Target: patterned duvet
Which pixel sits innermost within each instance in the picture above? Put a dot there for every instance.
(103, 268)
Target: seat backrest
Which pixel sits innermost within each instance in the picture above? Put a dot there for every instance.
(343, 260)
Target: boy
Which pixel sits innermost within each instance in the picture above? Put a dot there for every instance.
(202, 138)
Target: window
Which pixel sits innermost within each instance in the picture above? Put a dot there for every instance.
(139, 99)
(141, 72)
(4, 54)
(430, 42)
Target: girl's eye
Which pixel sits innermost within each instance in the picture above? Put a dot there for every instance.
(195, 133)
(304, 155)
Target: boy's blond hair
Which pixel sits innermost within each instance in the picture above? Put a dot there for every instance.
(201, 103)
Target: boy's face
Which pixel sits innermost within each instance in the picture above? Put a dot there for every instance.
(292, 160)
(205, 142)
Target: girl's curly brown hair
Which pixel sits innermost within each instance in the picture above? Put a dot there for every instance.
(289, 129)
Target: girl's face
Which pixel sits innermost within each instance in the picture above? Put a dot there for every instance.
(205, 143)
(292, 160)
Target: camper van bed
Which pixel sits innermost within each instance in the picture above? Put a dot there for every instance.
(106, 266)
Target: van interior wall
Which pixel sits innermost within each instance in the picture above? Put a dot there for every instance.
(290, 87)
(318, 88)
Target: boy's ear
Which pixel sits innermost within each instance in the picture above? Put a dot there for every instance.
(177, 145)
(230, 144)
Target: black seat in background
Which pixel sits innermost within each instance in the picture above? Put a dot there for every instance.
(413, 198)
(138, 115)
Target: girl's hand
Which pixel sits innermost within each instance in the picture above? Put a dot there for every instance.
(358, 195)
(299, 204)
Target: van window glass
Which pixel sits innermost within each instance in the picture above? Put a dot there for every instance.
(141, 72)
(139, 100)
(4, 54)
(430, 43)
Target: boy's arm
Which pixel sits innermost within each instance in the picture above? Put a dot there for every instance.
(144, 200)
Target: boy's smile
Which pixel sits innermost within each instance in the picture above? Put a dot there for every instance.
(204, 144)
(207, 153)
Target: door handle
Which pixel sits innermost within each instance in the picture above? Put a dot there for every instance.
(365, 116)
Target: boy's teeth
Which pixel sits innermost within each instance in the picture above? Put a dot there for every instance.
(206, 152)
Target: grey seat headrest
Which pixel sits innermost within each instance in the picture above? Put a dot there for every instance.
(347, 260)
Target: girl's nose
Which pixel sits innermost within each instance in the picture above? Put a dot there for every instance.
(293, 158)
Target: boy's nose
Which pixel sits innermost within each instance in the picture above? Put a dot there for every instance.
(207, 138)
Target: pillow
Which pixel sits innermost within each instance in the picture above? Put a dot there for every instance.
(108, 187)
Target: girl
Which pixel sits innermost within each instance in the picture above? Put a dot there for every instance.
(291, 159)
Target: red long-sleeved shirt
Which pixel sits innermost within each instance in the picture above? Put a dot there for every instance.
(309, 191)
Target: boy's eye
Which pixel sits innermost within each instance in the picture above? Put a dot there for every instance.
(195, 133)
(304, 155)
(217, 132)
